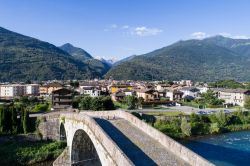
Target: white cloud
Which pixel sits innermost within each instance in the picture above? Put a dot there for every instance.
(125, 27)
(136, 31)
(144, 31)
(114, 26)
(199, 35)
(234, 36)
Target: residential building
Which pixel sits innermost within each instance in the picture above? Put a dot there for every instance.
(192, 92)
(62, 98)
(12, 90)
(91, 91)
(174, 95)
(234, 96)
(47, 89)
(148, 94)
(32, 89)
(116, 88)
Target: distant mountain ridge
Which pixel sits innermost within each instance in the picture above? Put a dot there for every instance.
(210, 59)
(83, 56)
(25, 58)
(76, 52)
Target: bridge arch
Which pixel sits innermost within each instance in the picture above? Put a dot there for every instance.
(83, 151)
(63, 136)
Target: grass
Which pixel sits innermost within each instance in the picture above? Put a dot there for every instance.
(167, 113)
(27, 153)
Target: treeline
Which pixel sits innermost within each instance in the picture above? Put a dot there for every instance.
(11, 124)
(231, 84)
(94, 103)
(198, 125)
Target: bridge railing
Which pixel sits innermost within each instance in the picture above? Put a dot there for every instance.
(175, 147)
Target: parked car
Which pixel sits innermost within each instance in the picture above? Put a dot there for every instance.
(201, 113)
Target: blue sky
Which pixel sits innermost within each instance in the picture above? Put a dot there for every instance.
(120, 28)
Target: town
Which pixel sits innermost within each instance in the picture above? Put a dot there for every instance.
(146, 94)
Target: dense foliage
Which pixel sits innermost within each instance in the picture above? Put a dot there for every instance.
(24, 58)
(232, 84)
(196, 125)
(209, 99)
(96, 103)
(27, 153)
(199, 60)
(11, 124)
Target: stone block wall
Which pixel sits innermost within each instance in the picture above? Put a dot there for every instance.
(49, 126)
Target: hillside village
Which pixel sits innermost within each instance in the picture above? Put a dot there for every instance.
(176, 93)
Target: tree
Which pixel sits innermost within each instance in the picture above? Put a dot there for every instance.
(25, 121)
(2, 120)
(130, 101)
(97, 104)
(247, 102)
(14, 120)
(108, 103)
(85, 103)
(74, 84)
(185, 127)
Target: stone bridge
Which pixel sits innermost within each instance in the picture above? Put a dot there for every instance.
(113, 138)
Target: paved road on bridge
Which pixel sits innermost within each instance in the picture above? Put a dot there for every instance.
(139, 147)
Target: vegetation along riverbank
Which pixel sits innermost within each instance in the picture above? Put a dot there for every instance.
(186, 127)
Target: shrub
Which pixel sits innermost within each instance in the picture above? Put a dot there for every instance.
(214, 128)
(185, 127)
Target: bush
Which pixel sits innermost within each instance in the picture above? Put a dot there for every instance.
(214, 128)
(41, 107)
(96, 103)
(185, 127)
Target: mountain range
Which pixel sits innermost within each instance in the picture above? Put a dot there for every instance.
(25, 58)
(210, 59)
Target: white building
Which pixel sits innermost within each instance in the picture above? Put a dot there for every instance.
(32, 89)
(90, 90)
(12, 90)
(234, 96)
(202, 89)
(190, 92)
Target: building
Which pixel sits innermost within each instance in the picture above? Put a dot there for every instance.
(192, 92)
(118, 96)
(116, 88)
(12, 90)
(174, 95)
(62, 98)
(234, 96)
(90, 91)
(47, 89)
(32, 89)
(148, 94)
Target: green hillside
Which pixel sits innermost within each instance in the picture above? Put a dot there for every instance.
(24, 58)
(198, 60)
(83, 56)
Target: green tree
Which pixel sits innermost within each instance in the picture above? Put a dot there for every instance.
(185, 127)
(247, 102)
(97, 104)
(2, 120)
(131, 102)
(85, 103)
(25, 121)
(14, 120)
(108, 103)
